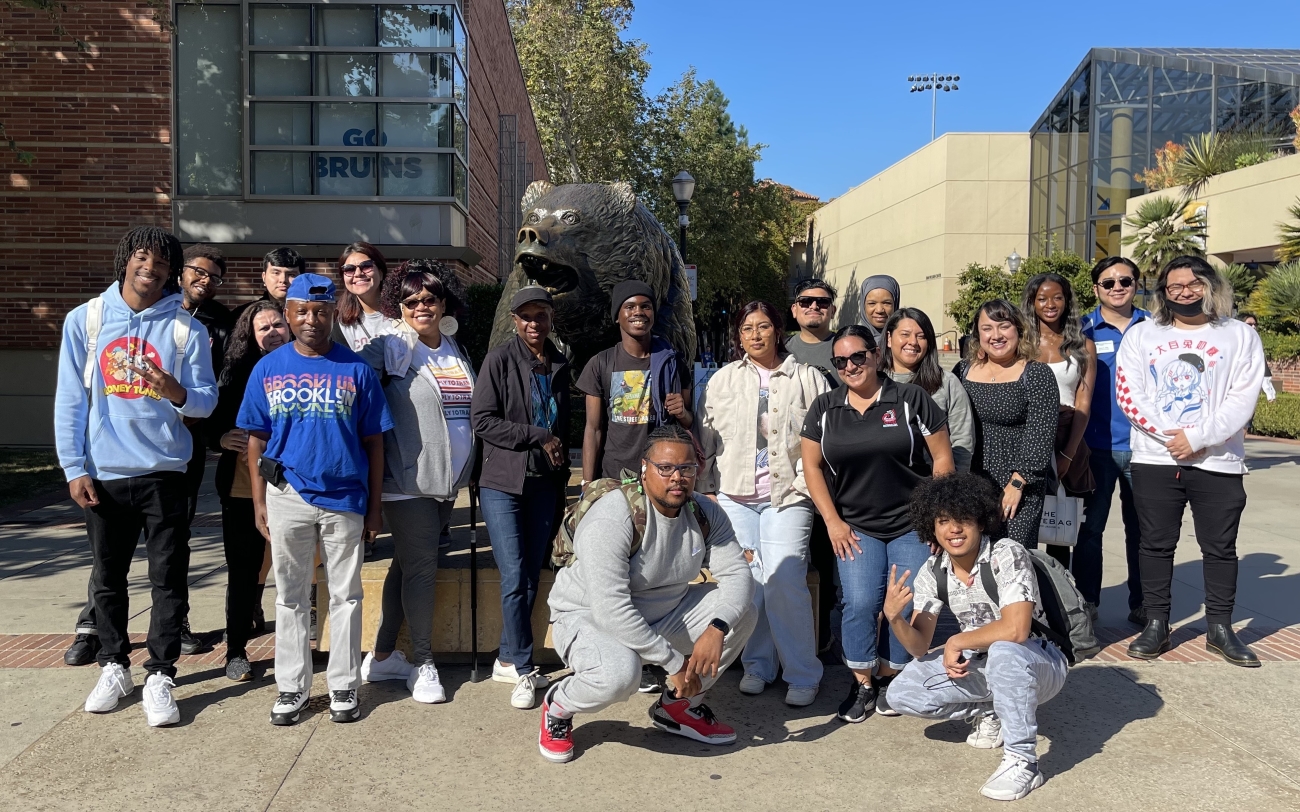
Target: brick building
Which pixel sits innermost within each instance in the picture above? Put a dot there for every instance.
(248, 125)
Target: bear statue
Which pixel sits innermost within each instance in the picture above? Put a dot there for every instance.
(578, 241)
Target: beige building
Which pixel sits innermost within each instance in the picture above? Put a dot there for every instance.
(1242, 210)
(962, 198)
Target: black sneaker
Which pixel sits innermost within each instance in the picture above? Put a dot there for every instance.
(344, 706)
(312, 633)
(859, 704)
(649, 681)
(238, 669)
(259, 622)
(189, 643)
(288, 708)
(83, 651)
(881, 685)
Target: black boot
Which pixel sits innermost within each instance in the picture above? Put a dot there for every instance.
(259, 616)
(83, 651)
(1223, 641)
(1152, 642)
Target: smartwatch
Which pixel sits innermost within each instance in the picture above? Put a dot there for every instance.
(1018, 484)
(721, 625)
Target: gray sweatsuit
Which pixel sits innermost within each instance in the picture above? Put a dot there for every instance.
(613, 611)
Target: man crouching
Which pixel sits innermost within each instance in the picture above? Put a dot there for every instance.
(619, 605)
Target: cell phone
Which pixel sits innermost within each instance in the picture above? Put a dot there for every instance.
(961, 658)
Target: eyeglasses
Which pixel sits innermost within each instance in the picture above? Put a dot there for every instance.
(212, 278)
(364, 269)
(751, 329)
(821, 302)
(666, 469)
(1195, 286)
(858, 359)
(427, 301)
(1124, 282)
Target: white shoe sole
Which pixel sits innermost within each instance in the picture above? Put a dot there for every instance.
(542, 682)
(437, 700)
(383, 677)
(800, 702)
(980, 745)
(1012, 796)
(157, 720)
(107, 708)
(689, 733)
(554, 758)
(751, 689)
(522, 701)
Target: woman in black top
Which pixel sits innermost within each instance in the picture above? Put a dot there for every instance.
(1015, 402)
(863, 453)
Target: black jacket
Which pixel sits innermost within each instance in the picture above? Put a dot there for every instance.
(222, 420)
(502, 413)
(217, 318)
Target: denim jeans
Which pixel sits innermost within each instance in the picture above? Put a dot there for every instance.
(862, 594)
(1108, 468)
(520, 527)
(783, 636)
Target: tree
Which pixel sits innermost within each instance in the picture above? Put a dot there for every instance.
(1288, 234)
(1162, 231)
(1243, 281)
(980, 283)
(585, 82)
(1276, 298)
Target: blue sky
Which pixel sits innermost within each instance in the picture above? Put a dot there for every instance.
(824, 82)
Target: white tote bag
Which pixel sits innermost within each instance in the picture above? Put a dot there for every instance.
(1062, 516)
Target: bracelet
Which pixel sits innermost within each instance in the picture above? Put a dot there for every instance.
(1068, 457)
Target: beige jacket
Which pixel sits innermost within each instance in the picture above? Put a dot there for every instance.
(728, 425)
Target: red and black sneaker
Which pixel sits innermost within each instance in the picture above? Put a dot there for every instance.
(699, 723)
(555, 740)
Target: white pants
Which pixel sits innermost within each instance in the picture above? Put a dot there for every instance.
(296, 530)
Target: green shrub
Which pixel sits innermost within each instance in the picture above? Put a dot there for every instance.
(1281, 418)
(980, 283)
(1280, 346)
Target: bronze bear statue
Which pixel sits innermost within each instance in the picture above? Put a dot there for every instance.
(578, 241)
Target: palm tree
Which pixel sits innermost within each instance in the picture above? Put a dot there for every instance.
(1161, 232)
(1243, 281)
(1210, 154)
(1277, 296)
(1289, 234)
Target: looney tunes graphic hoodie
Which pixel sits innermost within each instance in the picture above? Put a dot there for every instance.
(121, 427)
(1204, 380)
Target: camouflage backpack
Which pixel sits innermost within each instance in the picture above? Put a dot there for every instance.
(564, 552)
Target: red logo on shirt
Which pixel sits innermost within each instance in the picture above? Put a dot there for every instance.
(115, 362)
(889, 418)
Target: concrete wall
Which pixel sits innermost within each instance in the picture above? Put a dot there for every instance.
(1243, 209)
(962, 198)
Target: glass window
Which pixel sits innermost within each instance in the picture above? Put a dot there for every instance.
(208, 100)
(278, 124)
(418, 125)
(1282, 99)
(345, 75)
(421, 75)
(346, 173)
(1118, 82)
(281, 173)
(345, 25)
(415, 26)
(281, 75)
(347, 125)
(280, 25)
(1239, 104)
(415, 174)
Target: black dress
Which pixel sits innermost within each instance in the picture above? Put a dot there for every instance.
(1015, 431)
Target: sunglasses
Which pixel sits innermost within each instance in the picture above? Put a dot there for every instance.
(858, 359)
(427, 301)
(214, 279)
(822, 302)
(1125, 282)
(666, 469)
(365, 269)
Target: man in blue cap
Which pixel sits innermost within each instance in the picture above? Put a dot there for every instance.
(315, 415)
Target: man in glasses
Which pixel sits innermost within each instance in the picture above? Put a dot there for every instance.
(1115, 281)
(814, 310)
(627, 599)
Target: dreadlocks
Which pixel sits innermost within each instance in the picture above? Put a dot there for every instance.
(162, 244)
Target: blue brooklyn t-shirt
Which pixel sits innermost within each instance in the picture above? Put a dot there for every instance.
(316, 411)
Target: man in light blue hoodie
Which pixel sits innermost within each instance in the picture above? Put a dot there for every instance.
(133, 366)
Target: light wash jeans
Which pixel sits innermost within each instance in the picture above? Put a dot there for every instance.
(783, 636)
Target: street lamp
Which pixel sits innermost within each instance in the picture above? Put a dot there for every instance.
(1013, 261)
(683, 190)
(933, 82)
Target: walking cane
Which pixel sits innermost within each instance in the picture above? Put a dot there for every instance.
(473, 582)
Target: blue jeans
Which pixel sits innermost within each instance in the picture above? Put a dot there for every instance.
(1108, 468)
(783, 637)
(862, 594)
(520, 528)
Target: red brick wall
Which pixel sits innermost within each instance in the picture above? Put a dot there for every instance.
(1286, 375)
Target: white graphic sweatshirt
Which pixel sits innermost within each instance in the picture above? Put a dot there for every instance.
(1204, 380)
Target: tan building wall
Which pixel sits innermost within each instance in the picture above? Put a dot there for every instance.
(1242, 210)
(962, 198)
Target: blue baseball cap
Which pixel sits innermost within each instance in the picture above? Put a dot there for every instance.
(311, 287)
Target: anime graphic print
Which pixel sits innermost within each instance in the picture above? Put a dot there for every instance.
(1183, 387)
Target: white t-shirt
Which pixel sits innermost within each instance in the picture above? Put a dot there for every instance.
(454, 383)
(370, 325)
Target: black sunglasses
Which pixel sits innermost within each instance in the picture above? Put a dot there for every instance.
(823, 302)
(858, 359)
(1125, 282)
(367, 267)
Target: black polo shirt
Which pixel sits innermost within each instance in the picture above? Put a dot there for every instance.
(875, 459)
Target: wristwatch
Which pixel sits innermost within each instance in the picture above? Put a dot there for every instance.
(721, 625)
(1018, 484)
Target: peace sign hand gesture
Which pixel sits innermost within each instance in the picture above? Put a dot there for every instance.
(897, 595)
(159, 380)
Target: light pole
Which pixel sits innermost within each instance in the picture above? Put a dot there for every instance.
(683, 190)
(933, 82)
(1013, 262)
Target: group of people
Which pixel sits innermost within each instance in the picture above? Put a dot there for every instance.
(338, 413)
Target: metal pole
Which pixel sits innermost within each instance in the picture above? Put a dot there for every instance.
(682, 222)
(934, 103)
(473, 582)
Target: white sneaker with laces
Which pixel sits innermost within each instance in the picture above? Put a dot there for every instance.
(987, 733)
(394, 666)
(1012, 780)
(425, 685)
(797, 697)
(159, 705)
(114, 683)
(752, 685)
(507, 673)
(524, 696)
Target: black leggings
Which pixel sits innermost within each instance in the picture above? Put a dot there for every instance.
(245, 547)
(1161, 492)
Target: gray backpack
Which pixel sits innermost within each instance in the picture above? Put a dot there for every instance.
(1069, 626)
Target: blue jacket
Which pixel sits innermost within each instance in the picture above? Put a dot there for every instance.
(121, 428)
(1108, 427)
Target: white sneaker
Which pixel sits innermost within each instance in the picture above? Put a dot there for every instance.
(159, 705)
(752, 685)
(524, 696)
(797, 697)
(425, 686)
(395, 666)
(114, 683)
(344, 706)
(987, 733)
(1012, 780)
(507, 673)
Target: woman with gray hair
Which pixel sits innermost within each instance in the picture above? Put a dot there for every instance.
(1188, 379)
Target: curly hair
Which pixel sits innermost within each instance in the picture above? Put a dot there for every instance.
(161, 243)
(737, 351)
(667, 433)
(963, 497)
(349, 307)
(209, 252)
(1073, 344)
(999, 310)
(242, 350)
(415, 275)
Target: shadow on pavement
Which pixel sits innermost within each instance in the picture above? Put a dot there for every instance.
(1263, 590)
